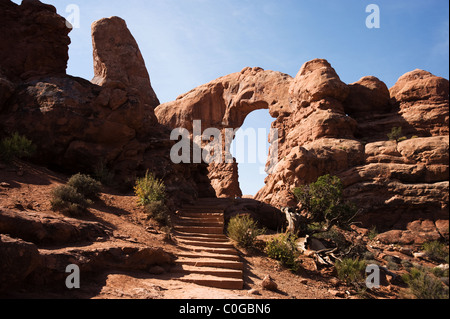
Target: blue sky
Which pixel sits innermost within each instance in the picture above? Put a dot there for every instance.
(186, 43)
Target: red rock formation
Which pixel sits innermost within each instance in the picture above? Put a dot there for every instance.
(118, 63)
(328, 127)
(34, 40)
(78, 124)
(324, 125)
(422, 99)
(224, 103)
(316, 138)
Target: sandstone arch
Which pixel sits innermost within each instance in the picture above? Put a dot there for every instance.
(224, 104)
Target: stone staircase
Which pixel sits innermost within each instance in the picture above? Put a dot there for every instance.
(208, 258)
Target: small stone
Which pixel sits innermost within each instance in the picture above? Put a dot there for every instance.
(420, 255)
(334, 282)
(269, 284)
(337, 293)
(351, 292)
(406, 251)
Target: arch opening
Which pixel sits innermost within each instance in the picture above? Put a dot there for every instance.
(250, 147)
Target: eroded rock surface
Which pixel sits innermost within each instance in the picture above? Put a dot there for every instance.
(328, 127)
(80, 125)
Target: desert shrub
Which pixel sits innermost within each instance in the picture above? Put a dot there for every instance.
(86, 186)
(369, 257)
(244, 230)
(396, 134)
(284, 249)
(16, 147)
(103, 174)
(323, 202)
(67, 200)
(406, 264)
(373, 232)
(351, 270)
(167, 230)
(158, 211)
(423, 285)
(436, 250)
(149, 189)
(440, 272)
(391, 263)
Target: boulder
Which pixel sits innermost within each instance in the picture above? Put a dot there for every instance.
(18, 260)
(368, 95)
(269, 284)
(416, 233)
(422, 99)
(315, 81)
(420, 85)
(45, 229)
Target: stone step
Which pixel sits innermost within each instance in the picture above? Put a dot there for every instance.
(210, 262)
(202, 210)
(219, 272)
(199, 229)
(201, 236)
(199, 222)
(206, 243)
(213, 281)
(224, 251)
(196, 214)
(209, 258)
(208, 254)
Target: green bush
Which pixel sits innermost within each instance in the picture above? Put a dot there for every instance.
(440, 272)
(437, 251)
(284, 249)
(244, 230)
(396, 134)
(158, 211)
(424, 285)
(86, 186)
(351, 270)
(149, 189)
(67, 200)
(373, 232)
(103, 174)
(16, 147)
(324, 203)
